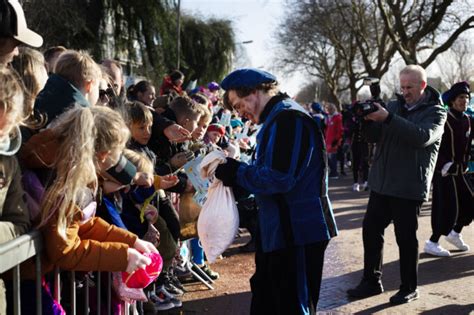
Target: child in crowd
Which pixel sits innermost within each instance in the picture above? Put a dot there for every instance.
(171, 155)
(214, 133)
(90, 141)
(139, 119)
(75, 81)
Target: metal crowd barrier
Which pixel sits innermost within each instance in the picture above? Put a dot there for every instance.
(16, 251)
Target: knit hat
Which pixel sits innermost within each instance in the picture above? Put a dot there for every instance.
(236, 123)
(216, 127)
(246, 78)
(455, 90)
(316, 107)
(213, 86)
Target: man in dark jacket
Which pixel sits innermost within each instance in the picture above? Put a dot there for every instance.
(287, 175)
(407, 136)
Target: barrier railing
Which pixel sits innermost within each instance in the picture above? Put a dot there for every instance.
(16, 251)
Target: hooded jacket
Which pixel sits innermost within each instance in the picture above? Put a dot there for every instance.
(407, 145)
(57, 96)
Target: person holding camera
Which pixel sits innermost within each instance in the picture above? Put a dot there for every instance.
(407, 134)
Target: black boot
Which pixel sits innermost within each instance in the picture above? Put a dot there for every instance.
(365, 289)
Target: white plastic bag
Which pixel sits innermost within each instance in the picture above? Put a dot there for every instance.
(219, 219)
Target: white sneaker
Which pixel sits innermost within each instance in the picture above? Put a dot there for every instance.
(435, 249)
(456, 240)
(364, 186)
(355, 187)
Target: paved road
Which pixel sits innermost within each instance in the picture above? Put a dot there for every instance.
(446, 284)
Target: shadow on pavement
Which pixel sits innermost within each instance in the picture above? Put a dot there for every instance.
(333, 290)
(232, 304)
(451, 309)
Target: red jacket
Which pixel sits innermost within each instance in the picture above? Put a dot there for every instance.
(334, 132)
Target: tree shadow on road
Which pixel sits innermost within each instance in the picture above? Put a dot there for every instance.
(451, 309)
(333, 290)
(232, 304)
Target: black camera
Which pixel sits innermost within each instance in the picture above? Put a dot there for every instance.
(361, 109)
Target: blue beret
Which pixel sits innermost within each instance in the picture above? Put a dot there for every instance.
(455, 90)
(246, 78)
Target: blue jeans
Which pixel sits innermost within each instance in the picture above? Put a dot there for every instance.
(197, 251)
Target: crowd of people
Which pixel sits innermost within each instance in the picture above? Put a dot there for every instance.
(98, 168)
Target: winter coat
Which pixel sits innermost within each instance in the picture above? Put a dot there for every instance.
(56, 97)
(407, 145)
(334, 132)
(14, 215)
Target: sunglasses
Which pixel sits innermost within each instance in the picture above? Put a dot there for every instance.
(109, 92)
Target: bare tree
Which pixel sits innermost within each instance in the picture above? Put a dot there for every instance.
(457, 63)
(416, 26)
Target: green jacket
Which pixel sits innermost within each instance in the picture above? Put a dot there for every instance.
(407, 147)
(14, 215)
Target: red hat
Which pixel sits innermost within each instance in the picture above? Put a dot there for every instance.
(216, 127)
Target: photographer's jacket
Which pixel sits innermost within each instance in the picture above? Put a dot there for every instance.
(407, 145)
(288, 177)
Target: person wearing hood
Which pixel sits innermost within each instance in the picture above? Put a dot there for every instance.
(453, 197)
(407, 134)
(75, 81)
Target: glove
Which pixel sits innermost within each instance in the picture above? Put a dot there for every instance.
(453, 169)
(227, 172)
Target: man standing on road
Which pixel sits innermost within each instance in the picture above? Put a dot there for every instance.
(288, 177)
(407, 135)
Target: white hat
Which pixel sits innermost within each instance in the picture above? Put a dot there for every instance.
(23, 33)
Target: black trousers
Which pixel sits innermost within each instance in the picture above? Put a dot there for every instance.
(275, 286)
(382, 210)
(360, 161)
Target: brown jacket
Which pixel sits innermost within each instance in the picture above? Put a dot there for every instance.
(14, 215)
(90, 246)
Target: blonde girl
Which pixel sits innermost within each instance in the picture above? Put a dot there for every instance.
(91, 140)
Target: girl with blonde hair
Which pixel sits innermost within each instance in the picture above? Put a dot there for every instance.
(91, 140)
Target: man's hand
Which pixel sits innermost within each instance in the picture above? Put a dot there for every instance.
(227, 172)
(380, 115)
(181, 158)
(177, 133)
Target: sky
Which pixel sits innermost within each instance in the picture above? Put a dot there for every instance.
(255, 21)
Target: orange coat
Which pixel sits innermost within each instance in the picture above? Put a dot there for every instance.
(90, 246)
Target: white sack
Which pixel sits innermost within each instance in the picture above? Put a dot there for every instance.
(219, 219)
